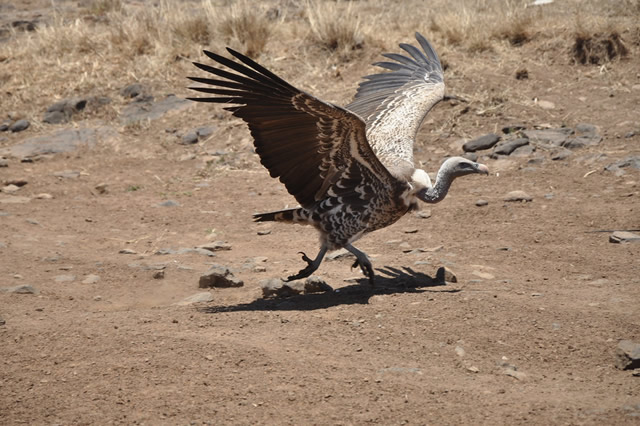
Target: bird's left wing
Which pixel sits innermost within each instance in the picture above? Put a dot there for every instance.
(310, 145)
(393, 104)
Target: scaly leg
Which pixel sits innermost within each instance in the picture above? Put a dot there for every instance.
(363, 261)
(312, 265)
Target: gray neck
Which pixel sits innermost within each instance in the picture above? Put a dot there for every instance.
(437, 192)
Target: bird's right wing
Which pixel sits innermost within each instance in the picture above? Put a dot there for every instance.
(394, 104)
(313, 147)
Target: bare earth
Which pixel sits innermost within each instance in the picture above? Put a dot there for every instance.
(527, 335)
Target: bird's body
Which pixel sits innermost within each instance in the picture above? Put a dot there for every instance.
(351, 169)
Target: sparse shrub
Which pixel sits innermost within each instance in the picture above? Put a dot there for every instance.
(334, 27)
(597, 48)
(102, 7)
(250, 27)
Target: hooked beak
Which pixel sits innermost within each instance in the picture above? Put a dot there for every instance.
(482, 169)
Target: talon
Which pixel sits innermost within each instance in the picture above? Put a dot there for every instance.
(305, 257)
(355, 264)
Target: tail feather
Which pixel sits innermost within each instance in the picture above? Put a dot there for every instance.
(286, 215)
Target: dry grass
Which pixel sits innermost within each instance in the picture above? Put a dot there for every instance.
(335, 26)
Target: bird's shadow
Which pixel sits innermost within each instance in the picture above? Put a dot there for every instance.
(388, 281)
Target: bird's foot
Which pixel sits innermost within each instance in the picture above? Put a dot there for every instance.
(305, 272)
(367, 270)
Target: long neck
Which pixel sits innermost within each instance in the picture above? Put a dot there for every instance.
(437, 192)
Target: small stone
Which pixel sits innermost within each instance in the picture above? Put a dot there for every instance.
(628, 355)
(91, 279)
(507, 147)
(127, 251)
(44, 196)
(444, 275)
(473, 369)
(19, 126)
(560, 154)
(315, 284)
(220, 277)
(19, 289)
(10, 189)
(460, 351)
(158, 275)
(55, 117)
(271, 287)
(624, 237)
(2, 321)
(481, 143)
(205, 132)
(64, 278)
(518, 196)
(189, 138)
(264, 232)
(216, 246)
(4, 162)
(97, 298)
(132, 90)
(546, 105)
(202, 297)
(471, 156)
(169, 203)
(101, 188)
(424, 214)
(512, 371)
(410, 230)
(67, 174)
(481, 203)
(17, 182)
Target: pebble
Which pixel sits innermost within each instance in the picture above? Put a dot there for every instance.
(264, 232)
(189, 138)
(19, 126)
(19, 289)
(481, 143)
(517, 196)
(44, 196)
(444, 275)
(127, 251)
(424, 214)
(560, 154)
(471, 156)
(101, 188)
(10, 189)
(64, 278)
(203, 297)
(158, 275)
(624, 237)
(481, 203)
(216, 246)
(631, 162)
(628, 355)
(507, 147)
(91, 279)
(205, 131)
(220, 277)
(2, 321)
(546, 105)
(133, 90)
(169, 203)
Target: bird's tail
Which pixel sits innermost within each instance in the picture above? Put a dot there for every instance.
(287, 215)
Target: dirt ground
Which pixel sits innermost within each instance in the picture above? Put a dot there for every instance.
(527, 334)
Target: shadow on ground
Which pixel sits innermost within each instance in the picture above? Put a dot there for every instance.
(388, 281)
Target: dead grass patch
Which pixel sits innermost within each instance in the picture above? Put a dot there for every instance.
(335, 27)
(599, 48)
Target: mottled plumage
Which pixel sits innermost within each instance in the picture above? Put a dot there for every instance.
(350, 169)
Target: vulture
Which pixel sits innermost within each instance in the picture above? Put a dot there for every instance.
(350, 168)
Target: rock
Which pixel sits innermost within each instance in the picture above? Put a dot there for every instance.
(101, 188)
(460, 351)
(481, 203)
(147, 109)
(10, 189)
(549, 136)
(275, 287)
(628, 355)
(471, 156)
(339, 254)
(19, 289)
(264, 232)
(220, 277)
(624, 237)
(4, 162)
(507, 147)
(132, 90)
(216, 246)
(202, 297)
(271, 287)
(631, 162)
(169, 203)
(17, 182)
(65, 278)
(127, 251)
(512, 370)
(14, 199)
(513, 128)
(315, 284)
(424, 214)
(44, 196)
(62, 111)
(55, 117)
(66, 140)
(189, 138)
(158, 275)
(582, 141)
(19, 126)
(547, 105)
(524, 151)
(444, 275)
(2, 321)
(560, 154)
(483, 275)
(67, 174)
(586, 129)
(205, 131)
(4, 126)
(517, 196)
(481, 143)
(91, 279)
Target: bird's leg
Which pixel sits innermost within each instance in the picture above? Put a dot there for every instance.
(363, 261)
(312, 265)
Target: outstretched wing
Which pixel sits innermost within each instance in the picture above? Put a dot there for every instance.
(310, 145)
(393, 104)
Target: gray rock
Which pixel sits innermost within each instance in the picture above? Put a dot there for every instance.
(169, 203)
(216, 246)
(628, 355)
(560, 154)
(219, 276)
(582, 141)
(481, 203)
(524, 151)
(4, 126)
(481, 143)
(132, 90)
(189, 138)
(202, 297)
(624, 237)
(66, 140)
(65, 278)
(152, 110)
(513, 128)
(62, 111)
(127, 251)
(514, 196)
(4, 162)
(507, 147)
(271, 287)
(19, 126)
(55, 117)
(275, 287)
(444, 275)
(19, 289)
(554, 137)
(512, 371)
(471, 156)
(631, 162)
(205, 131)
(91, 279)
(195, 250)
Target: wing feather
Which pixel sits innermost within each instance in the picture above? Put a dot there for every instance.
(310, 145)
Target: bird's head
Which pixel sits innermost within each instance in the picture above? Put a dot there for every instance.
(459, 166)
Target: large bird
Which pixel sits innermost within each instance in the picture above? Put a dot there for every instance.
(351, 169)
